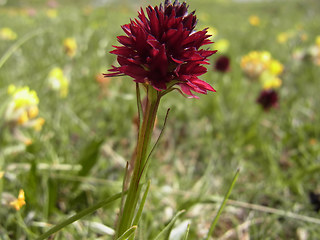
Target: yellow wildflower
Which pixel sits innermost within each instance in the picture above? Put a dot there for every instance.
(7, 34)
(27, 141)
(272, 83)
(318, 40)
(33, 112)
(254, 63)
(254, 20)
(19, 202)
(265, 57)
(1, 174)
(222, 45)
(38, 123)
(213, 32)
(23, 118)
(52, 13)
(70, 46)
(275, 67)
(11, 89)
(58, 82)
(22, 110)
(282, 37)
(23, 96)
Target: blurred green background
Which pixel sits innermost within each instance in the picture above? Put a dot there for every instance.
(78, 157)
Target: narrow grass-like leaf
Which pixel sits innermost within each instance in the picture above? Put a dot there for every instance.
(166, 231)
(160, 135)
(51, 196)
(79, 215)
(122, 196)
(187, 233)
(295, 182)
(215, 220)
(145, 166)
(128, 233)
(314, 169)
(17, 44)
(124, 185)
(89, 158)
(143, 200)
(23, 226)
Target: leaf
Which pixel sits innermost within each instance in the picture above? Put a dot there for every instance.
(143, 200)
(79, 215)
(89, 158)
(122, 197)
(187, 233)
(166, 231)
(128, 233)
(179, 231)
(52, 195)
(215, 220)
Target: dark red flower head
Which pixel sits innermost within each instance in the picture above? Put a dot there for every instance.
(222, 64)
(162, 49)
(268, 99)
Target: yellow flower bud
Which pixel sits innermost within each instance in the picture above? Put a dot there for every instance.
(275, 67)
(33, 112)
(23, 118)
(222, 45)
(70, 46)
(19, 202)
(318, 40)
(38, 124)
(58, 82)
(254, 20)
(282, 37)
(272, 83)
(7, 34)
(52, 13)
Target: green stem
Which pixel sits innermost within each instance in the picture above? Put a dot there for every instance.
(144, 138)
(78, 216)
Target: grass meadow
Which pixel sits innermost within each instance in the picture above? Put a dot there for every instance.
(78, 157)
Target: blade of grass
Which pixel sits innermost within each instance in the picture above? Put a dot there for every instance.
(145, 166)
(79, 215)
(143, 200)
(17, 44)
(127, 234)
(124, 186)
(122, 196)
(167, 229)
(215, 220)
(187, 233)
(89, 158)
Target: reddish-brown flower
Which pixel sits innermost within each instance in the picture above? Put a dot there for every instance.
(162, 49)
(268, 99)
(222, 64)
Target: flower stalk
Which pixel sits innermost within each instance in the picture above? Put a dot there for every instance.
(140, 167)
(161, 50)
